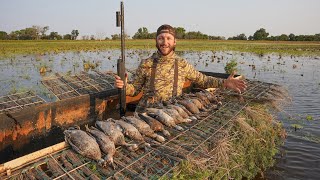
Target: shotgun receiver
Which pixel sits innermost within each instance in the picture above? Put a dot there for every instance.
(121, 62)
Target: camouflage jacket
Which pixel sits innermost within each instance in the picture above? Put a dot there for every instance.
(164, 78)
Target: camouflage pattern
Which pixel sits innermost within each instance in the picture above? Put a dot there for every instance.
(164, 79)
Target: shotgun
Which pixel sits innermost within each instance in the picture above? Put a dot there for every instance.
(121, 62)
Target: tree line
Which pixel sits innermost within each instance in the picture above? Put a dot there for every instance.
(37, 33)
(40, 32)
(260, 34)
(181, 33)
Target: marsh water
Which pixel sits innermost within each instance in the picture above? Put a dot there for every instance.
(299, 157)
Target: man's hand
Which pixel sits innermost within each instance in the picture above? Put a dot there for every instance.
(118, 82)
(235, 84)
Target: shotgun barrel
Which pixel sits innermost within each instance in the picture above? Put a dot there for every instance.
(121, 62)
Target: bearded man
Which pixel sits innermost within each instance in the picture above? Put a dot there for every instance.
(163, 75)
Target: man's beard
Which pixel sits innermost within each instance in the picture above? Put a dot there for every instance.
(165, 53)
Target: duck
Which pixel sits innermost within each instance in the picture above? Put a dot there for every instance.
(110, 128)
(105, 143)
(143, 127)
(83, 144)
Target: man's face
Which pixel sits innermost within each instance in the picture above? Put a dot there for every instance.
(165, 43)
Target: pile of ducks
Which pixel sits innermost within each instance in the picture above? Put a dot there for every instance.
(141, 127)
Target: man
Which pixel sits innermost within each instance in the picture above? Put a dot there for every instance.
(162, 76)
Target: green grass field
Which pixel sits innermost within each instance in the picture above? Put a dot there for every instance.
(13, 48)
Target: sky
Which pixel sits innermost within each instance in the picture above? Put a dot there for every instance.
(213, 17)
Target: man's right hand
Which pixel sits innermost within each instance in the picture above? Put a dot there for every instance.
(118, 82)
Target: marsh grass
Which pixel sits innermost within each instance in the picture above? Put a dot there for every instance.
(247, 148)
(13, 48)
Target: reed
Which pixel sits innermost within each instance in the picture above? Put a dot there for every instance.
(246, 148)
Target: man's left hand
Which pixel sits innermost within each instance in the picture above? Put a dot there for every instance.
(235, 83)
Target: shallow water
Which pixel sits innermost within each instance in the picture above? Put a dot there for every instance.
(299, 158)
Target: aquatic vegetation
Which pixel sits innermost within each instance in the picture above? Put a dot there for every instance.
(309, 118)
(231, 66)
(296, 126)
(89, 65)
(43, 70)
(13, 48)
(247, 148)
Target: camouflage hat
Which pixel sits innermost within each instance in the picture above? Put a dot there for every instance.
(166, 29)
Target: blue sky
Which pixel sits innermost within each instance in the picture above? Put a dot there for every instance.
(225, 17)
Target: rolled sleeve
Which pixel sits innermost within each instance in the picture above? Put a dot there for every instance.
(202, 80)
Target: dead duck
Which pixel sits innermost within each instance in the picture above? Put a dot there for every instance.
(163, 117)
(131, 131)
(143, 127)
(190, 106)
(216, 99)
(200, 100)
(198, 103)
(203, 97)
(83, 144)
(207, 99)
(154, 124)
(105, 143)
(176, 116)
(184, 108)
(184, 113)
(110, 129)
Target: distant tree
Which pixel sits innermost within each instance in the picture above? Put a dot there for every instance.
(54, 36)
(309, 37)
(283, 37)
(292, 37)
(242, 37)
(67, 37)
(3, 35)
(238, 37)
(250, 38)
(217, 38)
(92, 37)
(152, 35)
(260, 34)
(43, 30)
(107, 38)
(300, 38)
(24, 34)
(180, 32)
(317, 37)
(40, 31)
(273, 38)
(195, 35)
(15, 35)
(142, 33)
(37, 31)
(118, 36)
(74, 34)
(115, 36)
(28, 34)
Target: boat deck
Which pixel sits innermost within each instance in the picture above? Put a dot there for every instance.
(161, 160)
